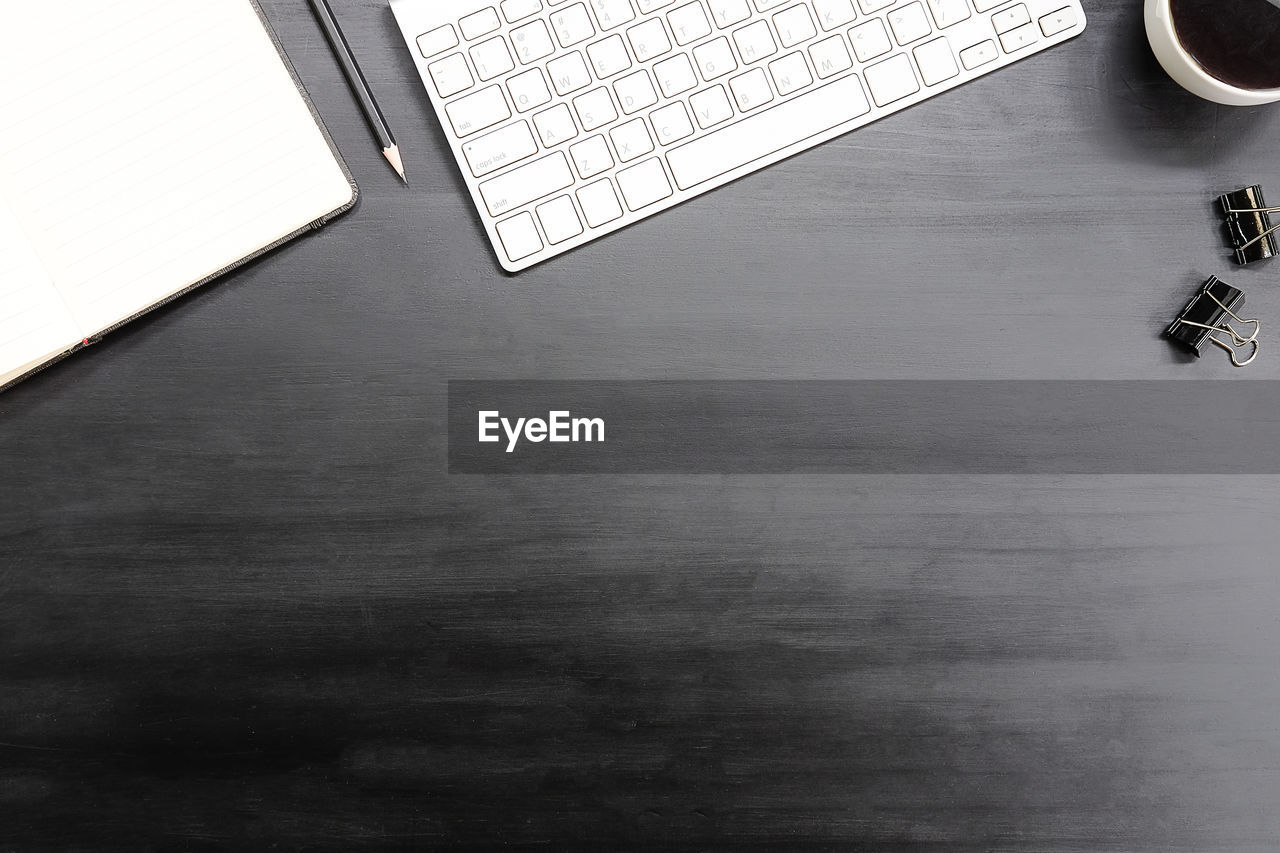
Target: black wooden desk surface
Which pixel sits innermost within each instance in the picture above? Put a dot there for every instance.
(242, 605)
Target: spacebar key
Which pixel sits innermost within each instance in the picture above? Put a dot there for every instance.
(767, 132)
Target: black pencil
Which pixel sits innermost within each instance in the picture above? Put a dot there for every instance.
(360, 86)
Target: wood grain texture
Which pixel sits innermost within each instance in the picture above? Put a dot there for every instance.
(242, 606)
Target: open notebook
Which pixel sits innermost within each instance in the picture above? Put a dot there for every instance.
(146, 147)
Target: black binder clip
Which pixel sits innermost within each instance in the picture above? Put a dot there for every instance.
(1249, 225)
(1207, 316)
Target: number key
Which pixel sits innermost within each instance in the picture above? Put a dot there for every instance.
(532, 42)
(492, 58)
(613, 13)
(572, 25)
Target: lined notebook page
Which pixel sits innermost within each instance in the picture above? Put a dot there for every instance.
(151, 143)
(35, 325)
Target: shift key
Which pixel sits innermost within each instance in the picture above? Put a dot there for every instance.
(530, 182)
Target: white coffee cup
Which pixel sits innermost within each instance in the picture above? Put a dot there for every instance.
(1188, 73)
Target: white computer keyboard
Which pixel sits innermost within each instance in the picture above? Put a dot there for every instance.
(571, 119)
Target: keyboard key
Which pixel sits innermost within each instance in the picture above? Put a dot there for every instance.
(595, 109)
(649, 39)
(689, 23)
(979, 54)
(591, 156)
(572, 25)
(635, 92)
(754, 42)
(631, 140)
(559, 219)
(599, 203)
(647, 6)
(714, 59)
(790, 73)
(480, 23)
(519, 237)
(644, 184)
(869, 6)
(500, 148)
(523, 184)
(766, 5)
(767, 132)
(795, 25)
(830, 57)
(532, 42)
(528, 90)
(437, 41)
(555, 125)
(451, 75)
(477, 111)
(947, 13)
(834, 13)
(671, 123)
(711, 107)
(612, 13)
(609, 56)
(936, 62)
(1058, 22)
(909, 23)
(491, 58)
(891, 80)
(675, 75)
(751, 90)
(726, 13)
(870, 40)
(1021, 37)
(518, 10)
(988, 5)
(569, 73)
(1010, 19)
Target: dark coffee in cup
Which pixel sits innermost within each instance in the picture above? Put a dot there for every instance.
(1236, 41)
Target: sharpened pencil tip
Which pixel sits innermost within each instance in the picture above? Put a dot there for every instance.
(393, 157)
